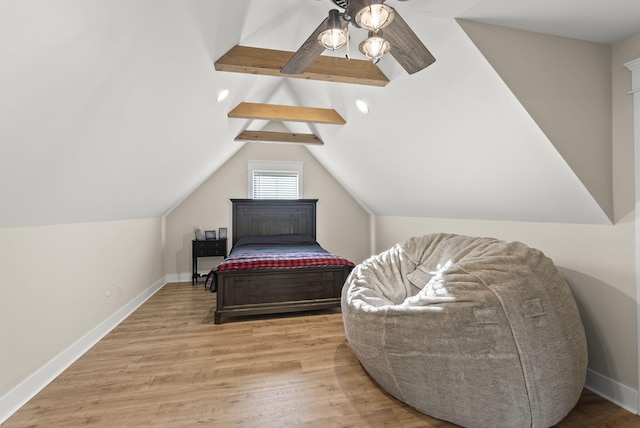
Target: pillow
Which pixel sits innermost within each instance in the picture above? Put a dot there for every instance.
(275, 239)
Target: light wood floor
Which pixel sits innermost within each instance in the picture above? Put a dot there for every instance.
(168, 365)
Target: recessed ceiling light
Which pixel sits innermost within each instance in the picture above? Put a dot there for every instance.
(222, 95)
(362, 106)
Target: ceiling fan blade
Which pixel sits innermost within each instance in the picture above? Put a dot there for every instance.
(341, 3)
(307, 53)
(406, 47)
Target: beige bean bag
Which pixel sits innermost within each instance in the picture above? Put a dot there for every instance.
(475, 331)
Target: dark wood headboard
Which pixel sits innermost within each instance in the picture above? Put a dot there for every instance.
(259, 217)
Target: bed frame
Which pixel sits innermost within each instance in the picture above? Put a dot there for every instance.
(273, 291)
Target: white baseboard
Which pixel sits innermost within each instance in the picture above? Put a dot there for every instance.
(27, 389)
(613, 391)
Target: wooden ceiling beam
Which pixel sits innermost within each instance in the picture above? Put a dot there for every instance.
(286, 113)
(244, 59)
(278, 137)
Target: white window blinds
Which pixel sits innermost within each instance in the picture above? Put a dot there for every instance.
(275, 184)
(275, 179)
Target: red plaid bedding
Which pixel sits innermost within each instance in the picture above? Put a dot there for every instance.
(275, 252)
(282, 260)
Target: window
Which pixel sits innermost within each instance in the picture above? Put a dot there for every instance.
(275, 180)
(275, 185)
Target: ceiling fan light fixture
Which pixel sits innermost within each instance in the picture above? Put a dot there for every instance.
(374, 46)
(375, 16)
(334, 37)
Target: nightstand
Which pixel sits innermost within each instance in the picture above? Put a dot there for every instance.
(206, 248)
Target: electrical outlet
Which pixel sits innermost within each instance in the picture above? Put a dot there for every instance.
(107, 298)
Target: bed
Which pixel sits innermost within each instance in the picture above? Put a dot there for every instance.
(275, 265)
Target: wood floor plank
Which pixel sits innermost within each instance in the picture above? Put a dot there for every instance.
(168, 365)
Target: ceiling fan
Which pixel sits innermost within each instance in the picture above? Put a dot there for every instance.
(388, 32)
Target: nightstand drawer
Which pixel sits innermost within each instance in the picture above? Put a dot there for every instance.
(213, 247)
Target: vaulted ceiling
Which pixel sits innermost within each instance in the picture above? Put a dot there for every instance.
(108, 110)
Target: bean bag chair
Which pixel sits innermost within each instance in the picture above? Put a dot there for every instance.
(475, 331)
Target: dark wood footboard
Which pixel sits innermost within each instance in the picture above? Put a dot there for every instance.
(273, 291)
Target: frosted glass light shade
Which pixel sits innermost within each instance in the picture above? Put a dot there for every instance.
(374, 47)
(333, 38)
(375, 17)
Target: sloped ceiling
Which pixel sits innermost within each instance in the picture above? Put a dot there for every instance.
(108, 111)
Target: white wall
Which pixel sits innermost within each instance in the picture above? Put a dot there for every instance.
(561, 82)
(342, 225)
(54, 280)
